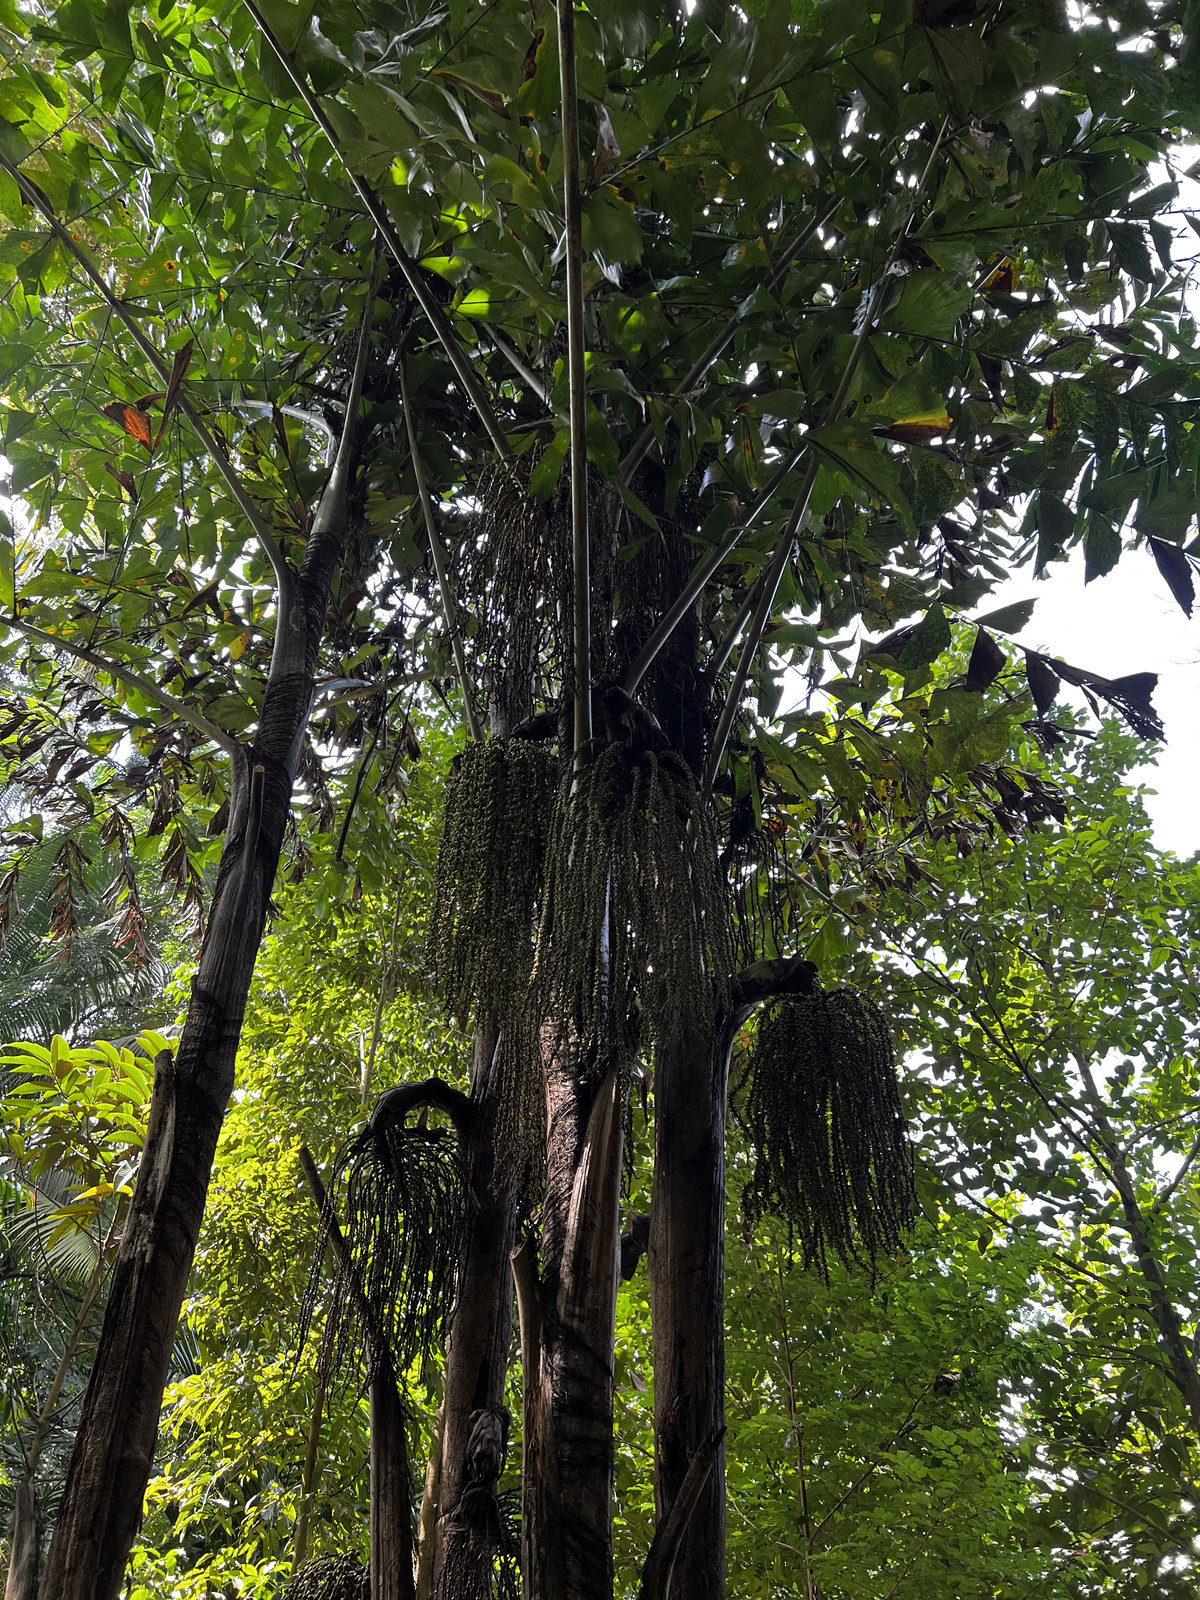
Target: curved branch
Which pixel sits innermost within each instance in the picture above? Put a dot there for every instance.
(313, 419)
(149, 691)
(770, 980)
(668, 1538)
(434, 1094)
(377, 211)
(449, 608)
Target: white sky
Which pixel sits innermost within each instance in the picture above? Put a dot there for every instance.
(1128, 622)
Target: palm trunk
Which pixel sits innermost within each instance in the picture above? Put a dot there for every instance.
(687, 1293)
(687, 1271)
(481, 1326)
(391, 1515)
(114, 1446)
(569, 1398)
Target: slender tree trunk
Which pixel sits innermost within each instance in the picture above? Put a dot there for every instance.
(300, 1536)
(687, 1268)
(391, 1534)
(114, 1446)
(391, 1512)
(25, 1534)
(481, 1327)
(427, 1521)
(569, 1414)
(25, 1549)
(687, 1292)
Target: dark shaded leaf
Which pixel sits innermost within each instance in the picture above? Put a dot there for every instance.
(1009, 619)
(1177, 570)
(1055, 525)
(987, 662)
(1129, 247)
(1101, 547)
(930, 637)
(1043, 681)
(489, 97)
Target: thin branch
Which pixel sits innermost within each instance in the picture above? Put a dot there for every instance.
(772, 577)
(768, 588)
(340, 471)
(284, 576)
(449, 608)
(1158, 1204)
(728, 644)
(668, 1538)
(636, 453)
(378, 213)
(695, 584)
(385, 976)
(519, 365)
(300, 1537)
(149, 691)
(576, 375)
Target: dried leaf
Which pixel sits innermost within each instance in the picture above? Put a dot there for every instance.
(175, 382)
(1001, 281)
(917, 430)
(489, 97)
(125, 479)
(204, 597)
(281, 432)
(608, 151)
(135, 423)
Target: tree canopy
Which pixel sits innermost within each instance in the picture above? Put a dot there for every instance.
(646, 399)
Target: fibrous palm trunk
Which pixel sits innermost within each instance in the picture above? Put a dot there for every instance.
(687, 1292)
(569, 1393)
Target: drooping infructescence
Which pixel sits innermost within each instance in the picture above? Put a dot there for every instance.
(823, 1112)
